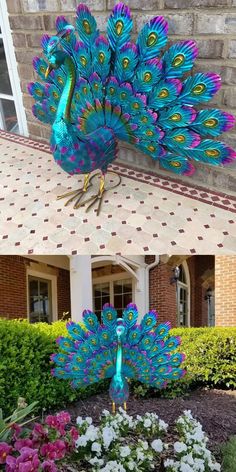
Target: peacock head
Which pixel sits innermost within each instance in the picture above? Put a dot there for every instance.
(120, 329)
(54, 52)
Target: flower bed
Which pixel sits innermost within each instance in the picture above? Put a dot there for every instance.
(119, 443)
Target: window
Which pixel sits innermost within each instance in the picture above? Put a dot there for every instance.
(117, 292)
(182, 298)
(40, 300)
(12, 114)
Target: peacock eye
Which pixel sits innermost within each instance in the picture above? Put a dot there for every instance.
(149, 132)
(83, 60)
(112, 90)
(42, 69)
(151, 148)
(60, 80)
(147, 77)
(178, 60)
(130, 316)
(119, 27)
(39, 92)
(148, 322)
(101, 57)
(211, 123)
(55, 95)
(152, 39)
(198, 89)
(85, 90)
(180, 139)
(87, 27)
(212, 153)
(175, 164)
(125, 62)
(163, 93)
(175, 117)
(136, 105)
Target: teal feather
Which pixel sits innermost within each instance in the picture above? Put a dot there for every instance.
(86, 25)
(90, 321)
(179, 59)
(152, 38)
(212, 122)
(130, 315)
(119, 26)
(147, 75)
(199, 88)
(101, 55)
(177, 116)
(126, 62)
(164, 93)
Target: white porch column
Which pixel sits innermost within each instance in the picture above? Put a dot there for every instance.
(141, 295)
(80, 286)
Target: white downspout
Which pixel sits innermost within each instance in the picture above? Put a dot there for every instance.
(147, 269)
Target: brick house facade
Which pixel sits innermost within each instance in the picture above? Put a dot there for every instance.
(210, 22)
(217, 273)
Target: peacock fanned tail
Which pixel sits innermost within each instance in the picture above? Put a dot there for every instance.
(146, 97)
(88, 354)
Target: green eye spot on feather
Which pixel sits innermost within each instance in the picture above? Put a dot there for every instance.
(211, 123)
(212, 153)
(147, 77)
(148, 322)
(152, 39)
(125, 62)
(77, 96)
(90, 321)
(83, 60)
(174, 164)
(163, 93)
(198, 89)
(130, 316)
(175, 117)
(151, 148)
(101, 57)
(85, 90)
(39, 92)
(123, 95)
(42, 69)
(179, 139)
(136, 105)
(60, 80)
(144, 119)
(178, 60)
(55, 95)
(149, 132)
(119, 27)
(112, 90)
(52, 109)
(41, 113)
(87, 27)
(105, 336)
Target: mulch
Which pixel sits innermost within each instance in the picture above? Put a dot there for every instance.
(215, 409)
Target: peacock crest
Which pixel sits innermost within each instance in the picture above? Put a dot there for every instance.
(98, 90)
(119, 349)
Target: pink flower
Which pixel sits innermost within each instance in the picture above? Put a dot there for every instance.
(39, 431)
(49, 466)
(64, 417)
(54, 450)
(4, 451)
(52, 421)
(28, 461)
(74, 433)
(16, 429)
(20, 443)
(60, 448)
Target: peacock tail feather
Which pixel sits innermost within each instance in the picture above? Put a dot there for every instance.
(140, 94)
(89, 352)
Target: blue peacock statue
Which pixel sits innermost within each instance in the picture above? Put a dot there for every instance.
(119, 349)
(98, 90)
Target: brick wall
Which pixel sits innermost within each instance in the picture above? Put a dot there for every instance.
(13, 289)
(211, 22)
(225, 292)
(163, 294)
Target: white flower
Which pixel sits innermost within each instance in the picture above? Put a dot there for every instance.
(140, 455)
(188, 458)
(125, 451)
(157, 445)
(147, 423)
(79, 420)
(185, 468)
(88, 420)
(96, 447)
(108, 434)
(91, 433)
(163, 425)
(180, 447)
(96, 461)
(82, 441)
(168, 462)
(131, 465)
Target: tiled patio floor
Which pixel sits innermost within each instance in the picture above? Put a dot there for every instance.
(145, 214)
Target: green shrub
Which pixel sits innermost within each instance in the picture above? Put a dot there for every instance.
(25, 367)
(229, 455)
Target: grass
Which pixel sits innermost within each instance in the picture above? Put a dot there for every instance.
(229, 455)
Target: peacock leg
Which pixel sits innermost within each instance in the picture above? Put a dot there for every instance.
(113, 408)
(125, 406)
(99, 196)
(77, 193)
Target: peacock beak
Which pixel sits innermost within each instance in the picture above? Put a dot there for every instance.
(48, 71)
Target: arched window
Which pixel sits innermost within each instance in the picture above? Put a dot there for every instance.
(183, 296)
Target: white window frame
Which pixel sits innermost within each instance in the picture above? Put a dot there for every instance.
(16, 96)
(46, 276)
(111, 279)
(187, 287)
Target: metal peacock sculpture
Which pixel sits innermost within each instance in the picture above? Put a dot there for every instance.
(119, 349)
(99, 90)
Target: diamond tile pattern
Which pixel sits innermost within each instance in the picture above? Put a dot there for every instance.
(145, 214)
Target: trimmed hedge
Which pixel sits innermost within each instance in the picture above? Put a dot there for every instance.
(25, 366)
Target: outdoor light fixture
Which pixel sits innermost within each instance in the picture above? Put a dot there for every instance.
(208, 294)
(175, 278)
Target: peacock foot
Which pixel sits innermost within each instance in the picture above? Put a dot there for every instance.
(78, 194)
(97, 198)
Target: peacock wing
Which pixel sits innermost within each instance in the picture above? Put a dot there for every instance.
(130, 315)
(152, 37)
(86, 25)
(119, 26)
(90, 321)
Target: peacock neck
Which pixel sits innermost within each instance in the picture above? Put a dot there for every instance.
(119, 359)
(64, 107)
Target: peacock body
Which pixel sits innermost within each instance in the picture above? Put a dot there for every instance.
(119, 349)
(98, 90)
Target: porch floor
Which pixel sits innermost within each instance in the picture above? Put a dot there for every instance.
(145, 214)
